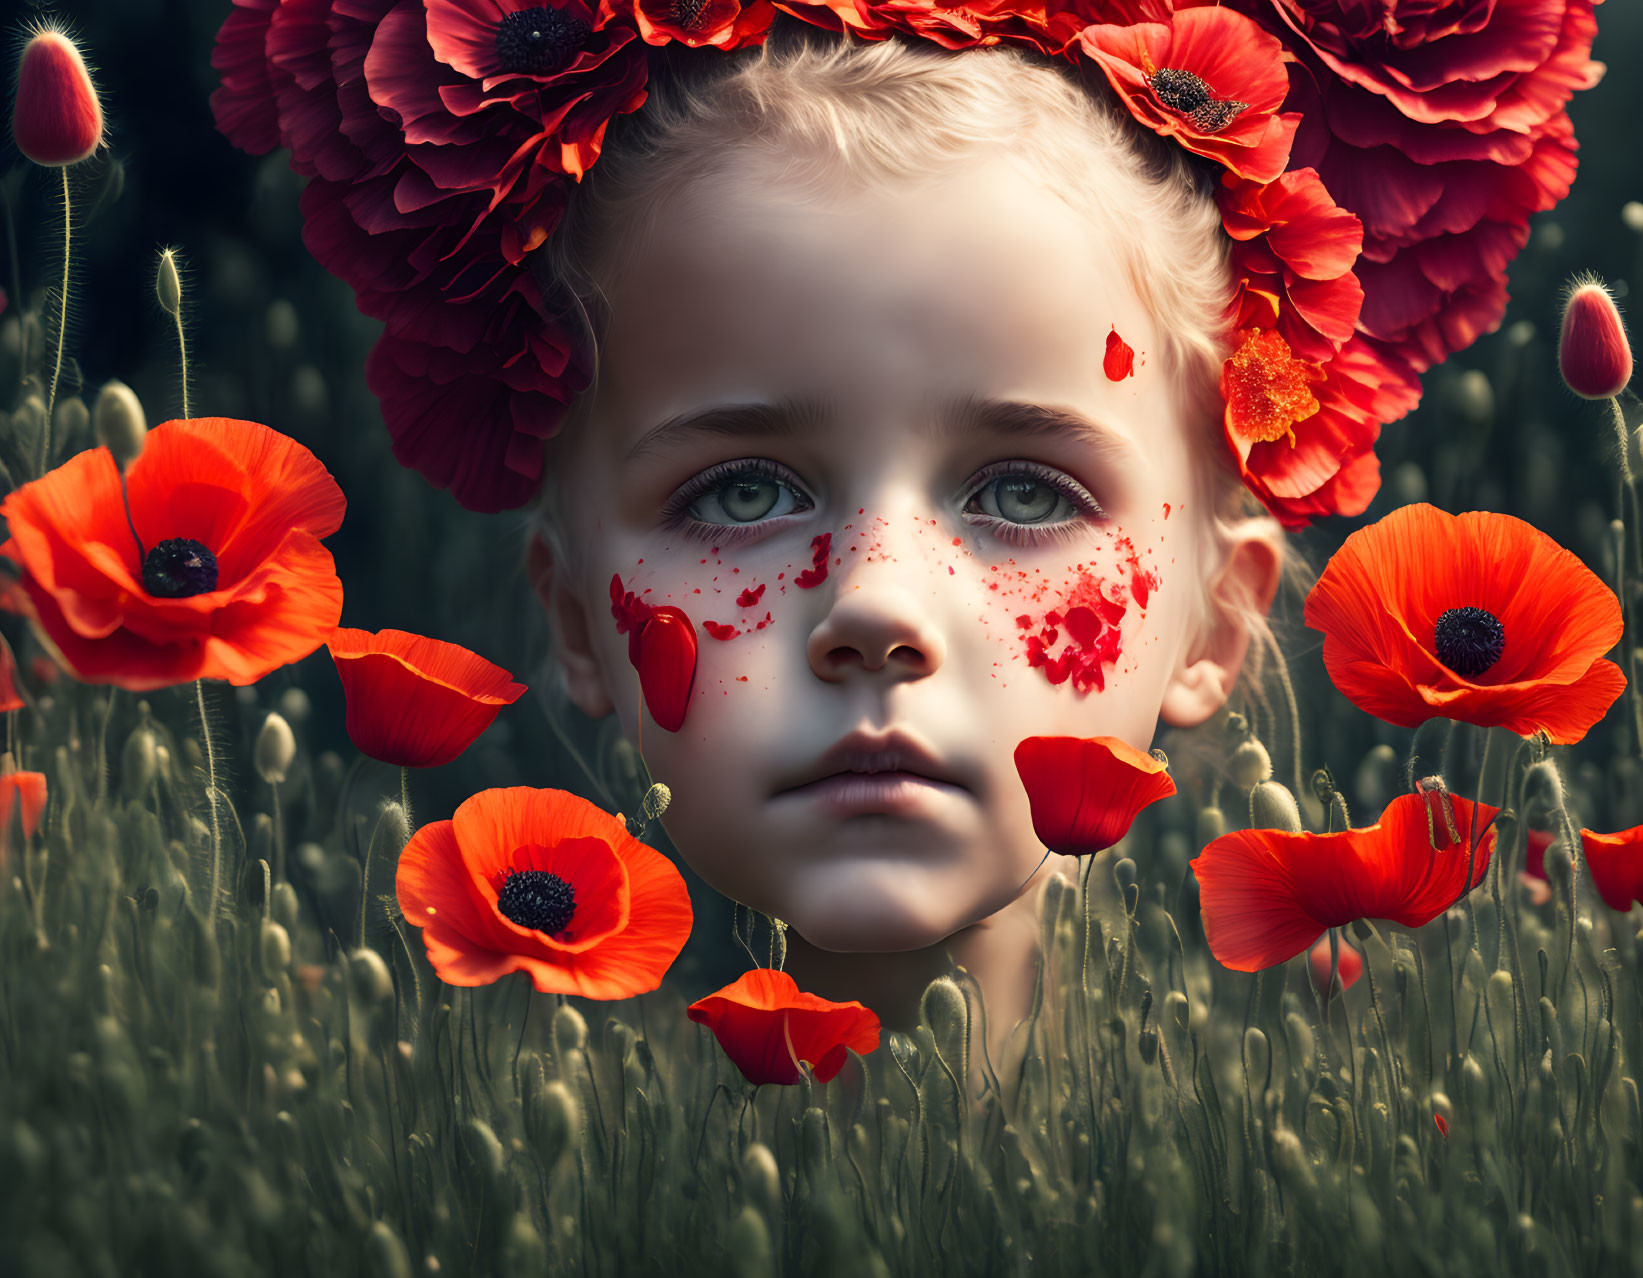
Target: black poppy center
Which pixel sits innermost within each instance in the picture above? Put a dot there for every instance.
(539, 41)
(537, 899)
(1469, 640)
(1187, 93)
(178, 568)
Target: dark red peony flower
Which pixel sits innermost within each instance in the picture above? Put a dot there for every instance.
(543, 882)
(1267, 894)
(1085, 792)
(56, 117)
(767, 1025)
(1442, 126)
(1210, 78)
(1293, 253)
(224, 578)
(1478, 617)
(413, 701)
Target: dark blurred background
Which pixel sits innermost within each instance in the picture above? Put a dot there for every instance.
(276, 339)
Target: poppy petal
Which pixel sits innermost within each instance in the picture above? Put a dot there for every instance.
(1616, 863)
(1085, 792)
(413, 701)
(667, 665)
(764, 1023)
(1348, 966)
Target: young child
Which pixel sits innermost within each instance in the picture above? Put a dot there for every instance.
(853, 415)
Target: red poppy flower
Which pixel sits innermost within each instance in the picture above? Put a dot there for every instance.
(1478, 617)
(230, 581)
(1616, 863)
(56, 120)
(1348, 966)
(22, 798)
(721, 24)
(1266, 894)
(766, 1025)
(413, 701)
(1210, 78)
(1085, 791)
(543, 882)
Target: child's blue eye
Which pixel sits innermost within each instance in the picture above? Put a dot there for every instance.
(1020, 500)
(736, 493)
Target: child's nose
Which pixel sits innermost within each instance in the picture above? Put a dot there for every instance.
(883, 615)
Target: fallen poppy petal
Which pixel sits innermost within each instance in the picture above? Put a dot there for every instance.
(667, 665)
(413, 701)
(765, 1023)
(1085, 792)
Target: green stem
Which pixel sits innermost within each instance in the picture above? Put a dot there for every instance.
(210, 794)
(62, 325)
(405, 795)
(182, 356)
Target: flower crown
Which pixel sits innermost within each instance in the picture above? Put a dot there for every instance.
(1381, 163)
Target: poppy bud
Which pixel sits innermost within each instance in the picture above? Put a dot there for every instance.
(140, 761)
(168, 285)
(1250, 765)
(276, 748)
(373, 982)
(385, 1254)
(570, 1031)
(276, 947)
(57, 120)
(118, 416)
(1212, 824)
(748, 1244)
(1592, 352)
(553, 1120)
(1272, 807)
(761, 1180)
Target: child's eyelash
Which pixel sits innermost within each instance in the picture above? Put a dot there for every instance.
(675, 511)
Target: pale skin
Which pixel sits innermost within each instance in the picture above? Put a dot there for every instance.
(884, 306)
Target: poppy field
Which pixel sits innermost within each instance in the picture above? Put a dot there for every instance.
(353, 951)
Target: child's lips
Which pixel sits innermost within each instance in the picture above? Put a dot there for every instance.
(897, 793)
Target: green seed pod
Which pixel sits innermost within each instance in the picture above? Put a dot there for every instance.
(947, 1012)
(1212, 824)
(1272, 807)
(282, 905)
(1250, 765)
(276, 749)
(373, 983)
(570, 1031)
(748, 1245)
(117, 414)
(656, 801)
(393, 825)
(481, 1150)
(553, 1120)
(168, 285)
(761, 1179)
(276, 947)
(385, 1254)
(1474, 1086)
(139, 762)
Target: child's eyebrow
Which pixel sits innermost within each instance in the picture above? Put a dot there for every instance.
(792, 416)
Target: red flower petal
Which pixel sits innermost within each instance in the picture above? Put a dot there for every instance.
(1616, 863)
(57, 119)
(22, 797)
(1266, 894)
(1119, 360)
(1085, 792)
(1348, 966)
(765, 1023)
(667, 665)
(413, 701)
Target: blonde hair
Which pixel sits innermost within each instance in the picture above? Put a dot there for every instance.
(826, 106)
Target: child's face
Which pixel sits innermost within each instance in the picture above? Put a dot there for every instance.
(1023, 568)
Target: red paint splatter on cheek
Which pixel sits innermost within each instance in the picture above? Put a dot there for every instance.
(719, 630)
(750, 597)
(820, 547)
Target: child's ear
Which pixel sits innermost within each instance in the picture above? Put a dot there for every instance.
(1248, 579)
(568, 623)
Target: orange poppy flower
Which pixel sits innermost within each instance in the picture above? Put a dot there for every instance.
(1616, 863)
(413, 701)
(1267, 894)
(229, 580)
(1477, 617)
(543, 882)
(1085, 792)
(767, 1025)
